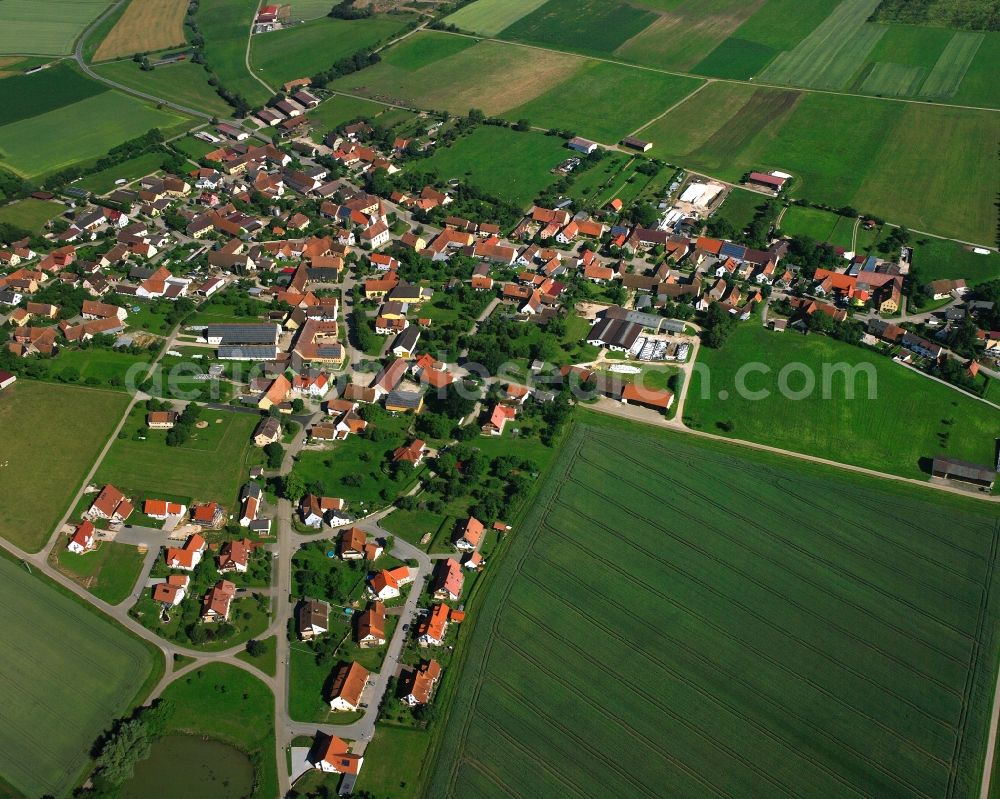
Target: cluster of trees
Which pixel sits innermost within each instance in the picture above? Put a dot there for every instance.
(978, 16)
(331, 584)
(140, 145)
(717, 326)
(347, 9)
(128, 741)
(13, 187)
(275, 454)
(500, 340)
(181, 431)
(810, 255)
(345, 66)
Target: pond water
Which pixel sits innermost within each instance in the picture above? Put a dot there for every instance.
(187, 767)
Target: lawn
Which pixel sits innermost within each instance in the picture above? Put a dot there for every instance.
(48, 28)
(865, 432)
(47, 90)
(50, 721)
(339, 110)
(109, 572)
(489, 17)
(230, 704)
(102, 365)
(193, 148)
(30, 214)
(441, 72)
(332, 468)
(104, 181)
(37, 424)
(211, 465)
(939, 259)
(846, 150)
(771, 629)
(634, 94)
(304, 50)
(39, 145)
(268, 662)
(225, 24)
(393, 760)
(740, 207)
(523, 172)
(413, 525)
(183, 83)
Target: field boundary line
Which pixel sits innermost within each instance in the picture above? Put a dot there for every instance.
(991, 739)
(750, 82)
(246, 54)
(684, 99)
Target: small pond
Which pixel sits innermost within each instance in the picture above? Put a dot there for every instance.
(188, 767)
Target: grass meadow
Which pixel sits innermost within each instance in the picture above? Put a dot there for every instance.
(727, 623)
(53, 433)
(304, 50)
(230, 704)
(846, 150)
(68, 672)
(489, 17)
(518, 177)
(576, 104)
(451, 73)
(104, 181)
(30, 214)
(109, 572)
(52, 88)
(183, 83)
(585, 26)
(225, 24)
(40, 145)
(211, 465)
(859, 431)
(687, 32)
(48, 28)
(393, 760)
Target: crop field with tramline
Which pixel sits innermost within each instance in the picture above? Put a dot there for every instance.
(725, 623)
(67, 672)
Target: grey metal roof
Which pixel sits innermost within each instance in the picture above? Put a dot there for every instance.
(243, 334)
(403, 399)
(239, 352)
(963, 470)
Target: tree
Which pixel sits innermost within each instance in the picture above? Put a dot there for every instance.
(293, 486)
(719, 324)
(298, 405)
(275, 454)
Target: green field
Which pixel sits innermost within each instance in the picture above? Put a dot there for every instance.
(304, 50)
(35, 423)
(441, 72)
(829, 56)
(30, 95)
(339, 110)
(688, 32)
(184, 83)
(575, 104)
(100, 364)
(815, 223)
(770, 629)
(36, 146)
(393, 760)
(859, 431)
(109, 572)
(104, 181)
(225, 24)
(599, 26)
(489, 17)
(980, 86)
(30, 214)
(846, 150)
(48, 28)
(518, 177)
(67, 673)
(212, 465)
(740, 207)
(775, 26)
(939, 259)
(950, 69)
(230, 704)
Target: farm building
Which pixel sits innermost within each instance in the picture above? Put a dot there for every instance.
(964, 472)
(581, 145)
(637, 144)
